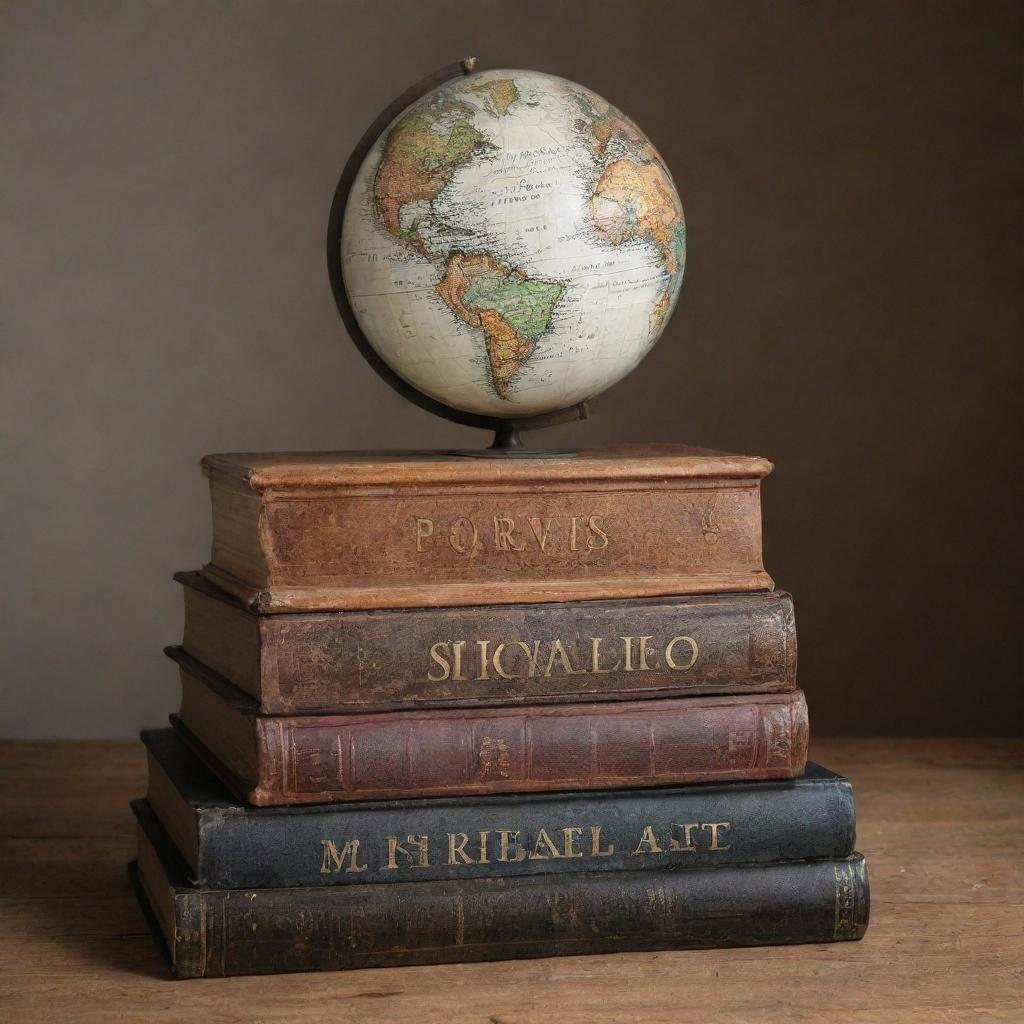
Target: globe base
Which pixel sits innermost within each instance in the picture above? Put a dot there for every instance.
(512, 453)
(508, 444)
(506, 437)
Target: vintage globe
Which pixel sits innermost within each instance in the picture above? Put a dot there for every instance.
(512, 244)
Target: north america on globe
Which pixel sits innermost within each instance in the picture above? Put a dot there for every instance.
(512, 244)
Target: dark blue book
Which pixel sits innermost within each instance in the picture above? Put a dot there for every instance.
(219, 932)
(228, 845)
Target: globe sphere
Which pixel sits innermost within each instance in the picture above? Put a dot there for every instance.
(512, 244)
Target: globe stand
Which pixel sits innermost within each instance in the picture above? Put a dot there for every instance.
(506, 438)
(507, 442)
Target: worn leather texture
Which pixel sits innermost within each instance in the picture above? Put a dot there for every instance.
(213, 933)
(318, 759)
(336, 531)
(331, 662)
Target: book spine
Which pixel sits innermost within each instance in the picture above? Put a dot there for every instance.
(443, 841)
(466, 546)
(561, 747)
(276, 930)
(222, 635)
(328, 663)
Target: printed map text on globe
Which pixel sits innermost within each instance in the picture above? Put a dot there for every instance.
(512, 244)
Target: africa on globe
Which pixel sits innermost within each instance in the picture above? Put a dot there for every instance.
(512, 244)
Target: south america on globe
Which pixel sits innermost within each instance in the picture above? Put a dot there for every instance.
(512, 244)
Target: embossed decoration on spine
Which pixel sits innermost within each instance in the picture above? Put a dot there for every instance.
(286, 759)
(851, 899)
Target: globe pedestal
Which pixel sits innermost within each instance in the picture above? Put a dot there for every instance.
(508, 444)
(506, 438)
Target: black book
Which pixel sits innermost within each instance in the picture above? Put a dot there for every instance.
(220, 932)
(228, 845)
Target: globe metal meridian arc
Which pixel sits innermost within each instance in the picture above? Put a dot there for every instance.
(508, 246)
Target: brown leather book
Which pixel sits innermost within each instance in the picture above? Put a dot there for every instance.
(335, 531)
(321, 759)
(336, 662)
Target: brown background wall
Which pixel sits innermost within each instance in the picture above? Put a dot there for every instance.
(852, 181)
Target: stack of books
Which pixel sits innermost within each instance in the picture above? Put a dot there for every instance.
(438, 708)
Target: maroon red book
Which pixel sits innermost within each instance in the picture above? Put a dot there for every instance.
(273, 759)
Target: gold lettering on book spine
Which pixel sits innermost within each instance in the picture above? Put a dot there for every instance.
(474, 660)
(509, 849)
(418, 859)
(670, 654)
(596, 849)
(714, 826)
(333, 860)
(457, 848)
(570, 837)
(494, 758)
(504, 535)
(686, 846)
(544, 847)
(512, 846)
(424, 529)
(845, 903)
(498, 666)
(552, 535)
(648, 843)
(463, 537)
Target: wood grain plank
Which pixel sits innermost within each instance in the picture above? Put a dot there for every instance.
(939, 820)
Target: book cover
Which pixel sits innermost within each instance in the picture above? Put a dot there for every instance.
(217, 933)
(330, 662)
(273, 759)
(336, 531)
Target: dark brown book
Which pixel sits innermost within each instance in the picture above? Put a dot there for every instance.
(305, 759)
(333, 662)
(337, 531)
(221, 932)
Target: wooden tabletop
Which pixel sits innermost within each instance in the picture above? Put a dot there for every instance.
(940, 821)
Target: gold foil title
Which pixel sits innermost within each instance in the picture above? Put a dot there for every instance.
(513, 846)
(479, 660)
(551, 535)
